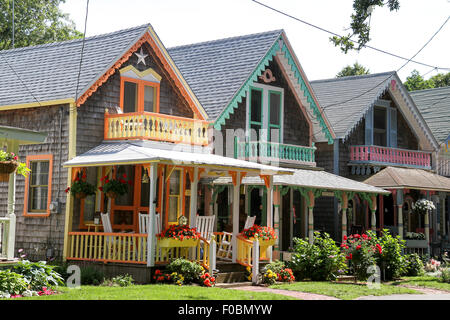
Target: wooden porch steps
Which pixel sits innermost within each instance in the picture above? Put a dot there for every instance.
(232, 273)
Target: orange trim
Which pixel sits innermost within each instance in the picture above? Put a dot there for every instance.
(266, 179)
(200, 171)
(140, 93)
(29, 159)
(146, 38)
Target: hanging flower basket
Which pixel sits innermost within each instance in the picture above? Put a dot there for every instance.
(422, 206)
(80, 195)
(80, 188)
(178, 236)
(112, 194)
(6, 168)
(114, 188)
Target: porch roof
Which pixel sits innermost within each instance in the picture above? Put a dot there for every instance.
(22, 136)
(404, 178)
(314, 179)
(142, 152)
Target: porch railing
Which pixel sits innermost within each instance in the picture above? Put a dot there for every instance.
(156, 126)
(386, 155)
(7, 237)
(132, 248)
(108, 247)
(273, 151)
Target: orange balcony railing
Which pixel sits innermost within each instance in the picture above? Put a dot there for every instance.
(156, 126)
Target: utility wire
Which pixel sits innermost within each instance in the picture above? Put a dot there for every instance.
(335, 34)
(384, 80)
(82, 50)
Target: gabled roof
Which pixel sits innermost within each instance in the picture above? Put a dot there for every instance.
(347, 100)
(220, 72)
(50, 71)
(434, 105)
(215, 70)
(394, 178)
(48, 74)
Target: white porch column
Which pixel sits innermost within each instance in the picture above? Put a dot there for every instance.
(236, 192)
(400, 201)
(12, 147)
(151, 237)
(311, 202)
(373, 209)
(194, 195)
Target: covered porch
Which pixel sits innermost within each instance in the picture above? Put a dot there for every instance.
(424, 233)
(164, 189)
(294, 202)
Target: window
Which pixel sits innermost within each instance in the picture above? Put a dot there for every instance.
(265, 110)
(38, 185)
(380, 126)
(139, 90)
(174, 196)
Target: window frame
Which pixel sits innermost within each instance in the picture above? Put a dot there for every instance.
(38, 213)
(266, 90)
(140, 93)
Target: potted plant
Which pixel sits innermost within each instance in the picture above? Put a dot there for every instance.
(80, 188)
(178, 236)
(265, 235)
(9, 163)
(115, 187)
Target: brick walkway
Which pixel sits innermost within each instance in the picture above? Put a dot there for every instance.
(295, 294)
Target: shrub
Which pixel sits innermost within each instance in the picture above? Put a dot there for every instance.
(38, 274)
(390, 260)
(91, 276)
(360, 251)
(269, 277)
(413, 265)
(119, 281)
(12, 283)
(282, 273)
(445, 275)
(319, 261)
(432, 265)
(191, 271)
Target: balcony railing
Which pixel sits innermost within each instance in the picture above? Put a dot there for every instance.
(271, 151)
(390, 156)
(156, 126)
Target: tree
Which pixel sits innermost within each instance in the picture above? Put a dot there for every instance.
(355, 70)
(416, 82)
(36, 22)
(362, 9)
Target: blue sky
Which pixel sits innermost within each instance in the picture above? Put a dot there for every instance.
(179, 22)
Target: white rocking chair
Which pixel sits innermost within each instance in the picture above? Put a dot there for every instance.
(205, 226)
(225, 249)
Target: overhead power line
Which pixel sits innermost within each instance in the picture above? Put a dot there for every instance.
(335, 34)
(82, 50)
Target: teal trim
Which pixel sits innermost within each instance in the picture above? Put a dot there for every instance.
(276, 126)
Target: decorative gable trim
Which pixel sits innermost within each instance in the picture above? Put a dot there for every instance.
(279, 47)
(150, 38)
(146, 75)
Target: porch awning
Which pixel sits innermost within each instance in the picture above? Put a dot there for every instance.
(403, 178)
(314, 179)
(141, 152)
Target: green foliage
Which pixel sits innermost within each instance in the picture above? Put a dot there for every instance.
(355, 70)
(119, 281)
(390, 260)
(12, 283)
(81, 186)
(38, 274)
(360, 24)
(360, 252)
(10, 156)
(269, 277)
(319, 261)
(191, 271)
(91, 276)
(441, 80)
(416, 82)
(36, 22)
(413, 265)
(445, 275)
(276, 266)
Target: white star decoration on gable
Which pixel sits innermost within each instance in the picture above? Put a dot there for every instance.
(141, 57)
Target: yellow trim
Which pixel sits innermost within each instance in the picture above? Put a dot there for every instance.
(141, 74)
(175, 69)
(37, 104)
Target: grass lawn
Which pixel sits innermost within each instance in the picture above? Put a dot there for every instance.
(344, 291)
(424, 281)
(157, 292)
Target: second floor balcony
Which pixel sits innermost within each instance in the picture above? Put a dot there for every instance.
(156, 126)
(386, 156)
(273, 152)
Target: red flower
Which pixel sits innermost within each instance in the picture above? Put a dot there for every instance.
(125, 175)
(67, 190)
(100, 188)
(358, 247)
(345, 238)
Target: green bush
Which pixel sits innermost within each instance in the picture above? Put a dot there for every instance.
(390, 260)
(413, 265)
(276, 266)
(91, 276)
(360, 251)
(12, 283)
(445, 275)
(319, 261)
(191, 271)
(38, 274)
